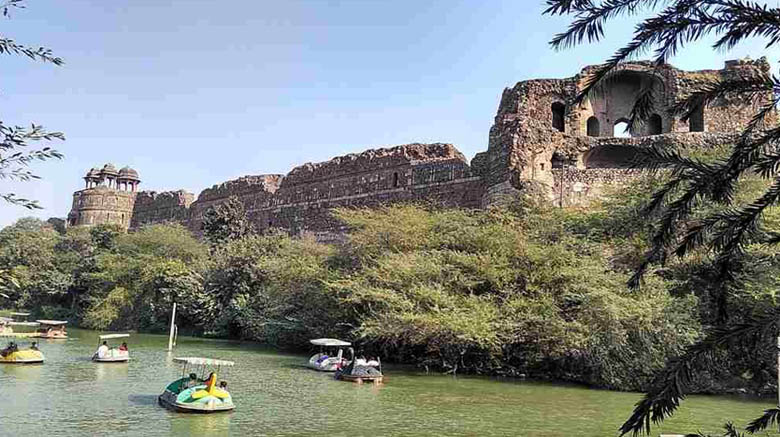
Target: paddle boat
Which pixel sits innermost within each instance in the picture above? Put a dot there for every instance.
(328, 360)
(52, 329)
(361, 370)
(10, 328)
(12, 354)
(198, 394)
(111, 354)
(5, 328)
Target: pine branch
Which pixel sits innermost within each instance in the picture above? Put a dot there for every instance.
(672, 383)
(770, 417)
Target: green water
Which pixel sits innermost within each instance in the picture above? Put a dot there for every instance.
(69, 395)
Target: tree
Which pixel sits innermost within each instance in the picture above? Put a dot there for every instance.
(682, 227)
(226, 222)
(15, 141)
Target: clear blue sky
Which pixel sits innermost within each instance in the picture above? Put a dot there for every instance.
(196, 92)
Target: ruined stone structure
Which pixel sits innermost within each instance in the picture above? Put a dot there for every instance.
(539, 134)
(108, 197)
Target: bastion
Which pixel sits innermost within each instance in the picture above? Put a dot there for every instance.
(541, 133)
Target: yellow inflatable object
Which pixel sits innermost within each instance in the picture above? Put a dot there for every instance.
(211, 389)
(23, 356)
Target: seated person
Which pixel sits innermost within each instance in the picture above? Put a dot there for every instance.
(123, 347)
(322, 358)
(34, 346)
(193, 381)
(223, 385)
(102, 350)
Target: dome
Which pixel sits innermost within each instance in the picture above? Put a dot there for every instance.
(128, 173)
(109, 169)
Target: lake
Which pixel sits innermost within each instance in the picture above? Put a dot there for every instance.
(69, 395)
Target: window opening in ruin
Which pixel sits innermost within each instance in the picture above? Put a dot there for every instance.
(395, 180)
(696, 121)
(541, 166)
(558, 111)
(593, 127)
(620, 130)
(655, 125)
(557, 160)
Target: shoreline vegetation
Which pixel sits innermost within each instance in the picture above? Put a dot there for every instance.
(528, 289)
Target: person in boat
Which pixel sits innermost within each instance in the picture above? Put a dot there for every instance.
(123, 347)
(8, 349)
(34, 346)
(192, 382)
(102, 350)
(223, 385)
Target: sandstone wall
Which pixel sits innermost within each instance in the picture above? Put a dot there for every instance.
(165, 207)
(301, 200)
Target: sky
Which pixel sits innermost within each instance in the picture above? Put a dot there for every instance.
(192, 93)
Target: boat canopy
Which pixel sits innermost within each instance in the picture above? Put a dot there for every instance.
(23, 323)
(5, 319)
(107, 336)
(52, 322)
(20, 314)
(203, 361)
(329, 342)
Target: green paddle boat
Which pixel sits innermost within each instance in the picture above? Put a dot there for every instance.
(197, 392)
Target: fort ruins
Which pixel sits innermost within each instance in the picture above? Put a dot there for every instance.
(538, 135)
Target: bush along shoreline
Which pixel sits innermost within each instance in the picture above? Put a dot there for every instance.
(523, 290)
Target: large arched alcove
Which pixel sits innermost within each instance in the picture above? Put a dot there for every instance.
(614, 100)
(609, 156)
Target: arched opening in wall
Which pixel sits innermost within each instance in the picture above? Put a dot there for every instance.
(655, 125)
(696, 121)
(593, 127)
(395, 180)
(558, 112)
(610, 157)
(620, 130)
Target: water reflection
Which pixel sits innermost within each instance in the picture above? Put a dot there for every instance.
(23, 372)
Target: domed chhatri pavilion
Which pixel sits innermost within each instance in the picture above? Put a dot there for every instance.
(107, 198)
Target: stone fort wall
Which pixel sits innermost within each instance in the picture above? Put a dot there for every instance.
(540, 134)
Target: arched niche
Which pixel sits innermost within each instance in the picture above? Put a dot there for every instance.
(558, 116)
(620, 129)
(655, 125)
(593, 126)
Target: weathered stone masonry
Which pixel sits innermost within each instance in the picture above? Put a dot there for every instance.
(539, 135)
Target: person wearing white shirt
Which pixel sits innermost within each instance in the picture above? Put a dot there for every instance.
(102, 350)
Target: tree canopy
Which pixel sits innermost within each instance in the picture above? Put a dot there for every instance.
(685, 223)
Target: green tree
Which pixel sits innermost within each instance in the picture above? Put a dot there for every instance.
(686, 224)
(226, 222)
(16, 153)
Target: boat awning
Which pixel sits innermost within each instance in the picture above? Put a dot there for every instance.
(107, 336)
(52, 322)
(23, 323)
(20, 314)
(203, 361)
(329, 342)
